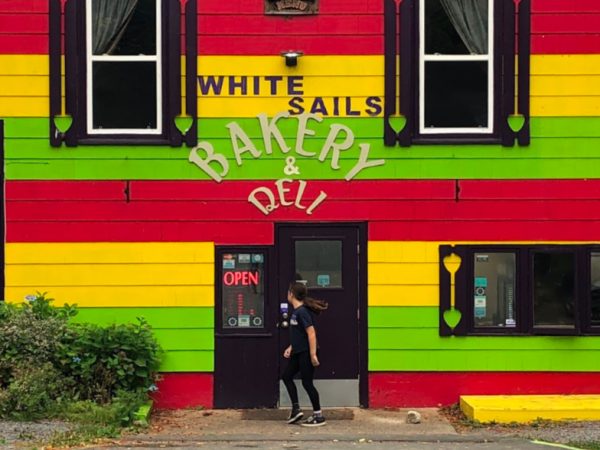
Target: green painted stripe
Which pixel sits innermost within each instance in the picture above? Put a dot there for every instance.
(33, 150)
(442, 168)
(190, 339)
(428, 339)
(175, 317)
(362, 127)
(406, 316)
(508, 360)
(188, 361)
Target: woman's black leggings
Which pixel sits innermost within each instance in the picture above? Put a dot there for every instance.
(301, 362)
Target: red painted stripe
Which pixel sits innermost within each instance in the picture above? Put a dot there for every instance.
(322, 25)
(529, 189)
(65, 190)
(257, 7)
(432, 389)
(447, 211)
(565, 6)
(566, 23)
(184, 390)
(29, 44)
(24, 23)
(235, 233)
(24, 6)
(510, 231)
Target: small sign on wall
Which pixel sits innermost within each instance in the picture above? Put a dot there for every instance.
(297, 7)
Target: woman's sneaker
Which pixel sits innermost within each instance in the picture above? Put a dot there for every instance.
(314, 421)
(295, 416)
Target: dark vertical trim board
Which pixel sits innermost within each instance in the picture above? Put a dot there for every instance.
(171, 71)
(55, 69)
(390, 106)
(3, 212)
(524, 68)
(191, 74)
(407, 89)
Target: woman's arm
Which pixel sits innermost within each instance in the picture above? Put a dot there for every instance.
(312, 345)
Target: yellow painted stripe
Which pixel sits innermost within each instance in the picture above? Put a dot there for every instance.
(121, 296)
(346, 65)
(109, 274)
(113, 274)
(327, 86)
(109, 252)
(527, 408)
(403, 295)
(217, 107)
(402, 273)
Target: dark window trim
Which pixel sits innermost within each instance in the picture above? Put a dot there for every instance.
(269, 271)
(73, 18)
(401, 21)
(523, 291)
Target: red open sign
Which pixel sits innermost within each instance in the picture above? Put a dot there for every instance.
(244, 278)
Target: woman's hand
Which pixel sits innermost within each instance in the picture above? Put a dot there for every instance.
(314, 360)
(287, 352)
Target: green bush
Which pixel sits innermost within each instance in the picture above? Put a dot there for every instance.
(47, 362)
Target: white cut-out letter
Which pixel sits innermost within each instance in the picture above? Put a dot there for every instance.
(271, 204)
(237, 134)
(363, 162)
(303, 131)
(283, 190)
(330, 144)
(211, 156)
(270, 130)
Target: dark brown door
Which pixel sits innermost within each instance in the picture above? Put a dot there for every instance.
(328, 259)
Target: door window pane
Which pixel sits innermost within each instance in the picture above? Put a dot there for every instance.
(554, 290)
(494, 290)
(124, 95)
(456, 94)
(595, 286)
(243, 290)
(319, 263)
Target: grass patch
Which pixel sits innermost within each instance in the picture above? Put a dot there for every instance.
(587, 445)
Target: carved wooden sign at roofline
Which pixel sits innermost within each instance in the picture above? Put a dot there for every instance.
(289, 7)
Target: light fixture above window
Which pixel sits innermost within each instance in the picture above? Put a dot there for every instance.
(291, 57)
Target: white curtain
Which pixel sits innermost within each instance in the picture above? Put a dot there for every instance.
(109, 21)
(470, 19)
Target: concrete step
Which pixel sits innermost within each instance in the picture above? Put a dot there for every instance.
(527, 408)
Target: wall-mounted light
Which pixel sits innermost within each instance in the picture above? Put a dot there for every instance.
(291, 57)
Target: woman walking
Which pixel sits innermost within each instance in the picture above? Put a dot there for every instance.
(302, 353)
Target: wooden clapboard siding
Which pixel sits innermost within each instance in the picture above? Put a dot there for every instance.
(101, 274)
(186, 334)
(395, 210)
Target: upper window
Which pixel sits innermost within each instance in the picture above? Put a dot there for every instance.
(123, 67)
(456, 66)
(523, 290)
(123, 71)
(457, 71)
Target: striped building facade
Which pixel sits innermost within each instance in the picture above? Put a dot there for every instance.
(133, 230)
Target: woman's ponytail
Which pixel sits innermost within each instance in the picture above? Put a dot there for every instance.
(299, 291)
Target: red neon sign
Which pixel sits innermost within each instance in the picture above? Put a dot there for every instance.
(244, 278)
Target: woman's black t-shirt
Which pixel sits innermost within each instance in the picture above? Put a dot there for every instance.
(301, 319)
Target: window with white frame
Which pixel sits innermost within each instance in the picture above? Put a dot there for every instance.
(124, 67)
(456, 66)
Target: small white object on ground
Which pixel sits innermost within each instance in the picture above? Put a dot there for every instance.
(413, 417)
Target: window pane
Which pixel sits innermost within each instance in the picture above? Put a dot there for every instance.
(595, 263)
(243, 290)
(494, 290)
(456, 94)
(124, 27)
(554, 290)
(320, 263)
(124, 95)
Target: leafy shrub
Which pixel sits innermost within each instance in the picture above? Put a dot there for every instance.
(45, 359)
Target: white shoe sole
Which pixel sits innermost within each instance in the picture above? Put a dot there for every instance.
(296, 418)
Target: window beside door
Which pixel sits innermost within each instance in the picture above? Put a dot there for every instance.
(508, 290)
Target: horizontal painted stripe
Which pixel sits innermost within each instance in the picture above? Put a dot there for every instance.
(151, 295)
(363, 128)
(428, 389)
(331, 6)
(342, 106)
(312, 65)
(341, 44)
(158, 318)
(187, 361)
(508, 360)
(184, 390)
(373, 209)
(110, 253)
(323, 86)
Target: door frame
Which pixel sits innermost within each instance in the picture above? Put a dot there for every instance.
(2, 214)
(363, 329)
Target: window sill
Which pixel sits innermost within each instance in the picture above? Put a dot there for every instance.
(456, 140)
(128, 140)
